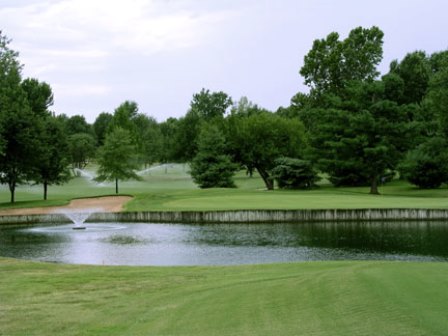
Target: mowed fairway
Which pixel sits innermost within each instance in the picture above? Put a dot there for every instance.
(172, 189)
(234, 199)
(319, 298)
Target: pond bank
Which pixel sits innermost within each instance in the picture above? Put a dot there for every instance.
(240, 216)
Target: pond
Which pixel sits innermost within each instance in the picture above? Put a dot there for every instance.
(226, 244)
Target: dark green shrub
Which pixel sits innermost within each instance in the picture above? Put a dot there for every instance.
(427, 165)
(293, 173)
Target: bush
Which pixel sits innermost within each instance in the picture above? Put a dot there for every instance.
(348, 177)
(293, 173)
(427, 165)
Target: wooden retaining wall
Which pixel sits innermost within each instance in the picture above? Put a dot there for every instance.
(242, 216)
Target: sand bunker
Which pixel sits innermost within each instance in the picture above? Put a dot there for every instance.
(106, 204)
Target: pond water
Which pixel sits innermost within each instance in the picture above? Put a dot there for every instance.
(226, 244)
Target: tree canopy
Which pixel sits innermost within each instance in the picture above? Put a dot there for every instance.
(355, 126)
(331, 63)
(19, 127)
(258, 140)
(116, 158)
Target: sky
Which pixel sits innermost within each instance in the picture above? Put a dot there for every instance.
(96, 54)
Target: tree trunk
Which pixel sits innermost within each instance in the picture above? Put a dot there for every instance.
(250, 171)
(116, 186)
(374, 185)
(12, 189)
(45, 190)
(266, 178)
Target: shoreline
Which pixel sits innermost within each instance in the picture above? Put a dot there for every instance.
(236, 216)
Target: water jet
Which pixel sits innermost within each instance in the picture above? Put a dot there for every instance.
(78, 216)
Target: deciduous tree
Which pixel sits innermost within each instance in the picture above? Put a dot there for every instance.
(204, 107)
(116, 158)
(331, 63)
(81, 147)
(19, 127)
(52, 166)
(101, 125)
(259, 139)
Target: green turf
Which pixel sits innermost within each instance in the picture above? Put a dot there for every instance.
(173, 189)
(317, 298)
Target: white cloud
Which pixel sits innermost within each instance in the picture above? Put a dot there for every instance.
(72, 37)
(134, 25)
(76, 90)
(98, 53)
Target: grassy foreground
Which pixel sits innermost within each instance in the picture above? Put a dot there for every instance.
(318, 298)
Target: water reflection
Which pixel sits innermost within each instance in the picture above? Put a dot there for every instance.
(226, 244)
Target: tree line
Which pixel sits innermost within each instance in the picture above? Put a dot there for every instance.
(354, 126)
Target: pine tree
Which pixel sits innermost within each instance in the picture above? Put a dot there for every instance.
(211, 167)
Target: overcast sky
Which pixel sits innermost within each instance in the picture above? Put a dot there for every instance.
(96, 54)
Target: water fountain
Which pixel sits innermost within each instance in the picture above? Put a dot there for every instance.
(147, 171)
(78, 216)
(88, 176)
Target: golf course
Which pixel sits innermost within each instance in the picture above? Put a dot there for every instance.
(223, 168)
(306, 298)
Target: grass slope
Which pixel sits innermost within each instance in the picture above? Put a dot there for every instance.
(172, 189)
(318, 298)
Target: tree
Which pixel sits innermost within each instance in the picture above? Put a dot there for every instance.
(20, 132)
(116, 158)
(52, 166)
(211, 167)
(210, 105)
(39, 96)
(363, 133)
(148, 139)
(415, 71)
(152, 144)
(293, 173)
(331, 63)
(436, 99)
(101, 125)
(169, 145)
(81, 148)
(245, 108)
(356, 124)
(188, 129)
(259, 139)
(19, 127)
(205, 106)
(143, 130)
(78, 124)
(427, 165)
(124, 116)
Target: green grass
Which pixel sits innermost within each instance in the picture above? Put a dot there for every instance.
(173, 190)
(317, 298)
